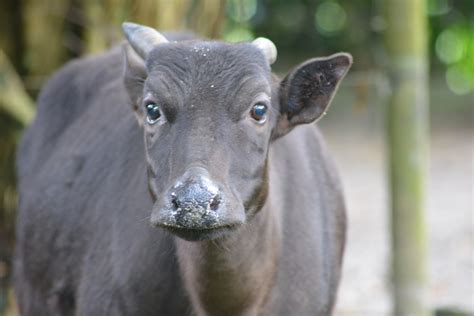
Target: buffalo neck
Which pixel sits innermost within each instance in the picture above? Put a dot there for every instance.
(233, 275)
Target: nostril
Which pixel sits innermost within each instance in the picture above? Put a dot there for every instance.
(215, 201)
(174, 200)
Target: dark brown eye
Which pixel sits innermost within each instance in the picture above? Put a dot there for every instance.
(259, 112)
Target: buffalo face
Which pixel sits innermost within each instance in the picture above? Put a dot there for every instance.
(210, 111)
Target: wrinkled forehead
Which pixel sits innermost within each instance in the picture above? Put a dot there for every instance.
(205, 61)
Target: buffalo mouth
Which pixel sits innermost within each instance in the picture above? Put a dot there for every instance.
(199, 234)
(193, 222)
(196, 224)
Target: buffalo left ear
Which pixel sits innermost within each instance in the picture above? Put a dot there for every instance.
(134, 75)
(307, 91)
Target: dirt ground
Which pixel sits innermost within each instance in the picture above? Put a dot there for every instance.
(360, 155)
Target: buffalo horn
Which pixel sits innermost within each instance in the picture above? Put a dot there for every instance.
(142, 38)
(267, 47)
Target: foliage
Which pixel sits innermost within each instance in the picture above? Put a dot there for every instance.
(452, 42)
(304, 28)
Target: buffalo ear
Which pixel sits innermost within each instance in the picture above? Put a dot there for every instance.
(307, 91)
(134, 75)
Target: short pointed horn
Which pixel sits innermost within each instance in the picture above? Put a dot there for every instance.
(142, 38)
(267, 47)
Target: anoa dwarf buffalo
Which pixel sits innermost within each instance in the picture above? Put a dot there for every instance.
(180, 178)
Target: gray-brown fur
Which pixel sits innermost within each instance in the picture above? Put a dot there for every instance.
(89, 181)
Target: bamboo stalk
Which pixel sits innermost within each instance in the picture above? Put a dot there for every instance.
(13, 98)
(408, 151)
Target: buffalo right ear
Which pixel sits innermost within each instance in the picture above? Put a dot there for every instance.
(306, 92)
(134, 75)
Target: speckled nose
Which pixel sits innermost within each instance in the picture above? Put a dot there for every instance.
(195, 201)
(196, 192)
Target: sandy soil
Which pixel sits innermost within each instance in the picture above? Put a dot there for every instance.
(360, 154)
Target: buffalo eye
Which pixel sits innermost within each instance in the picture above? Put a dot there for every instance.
(153, 113)
(259, 112)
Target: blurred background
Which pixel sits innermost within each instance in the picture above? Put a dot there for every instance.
(37, 37)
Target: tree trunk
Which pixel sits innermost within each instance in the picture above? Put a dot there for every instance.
(406, 44)
(102, 27)
(205, 17)
(11, 38)
(45, 51)
(102, 19)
